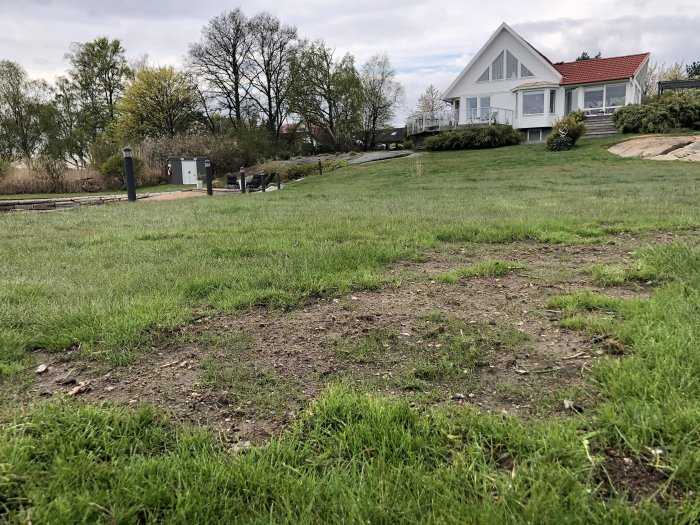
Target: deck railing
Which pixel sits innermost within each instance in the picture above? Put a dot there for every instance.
(449, 119)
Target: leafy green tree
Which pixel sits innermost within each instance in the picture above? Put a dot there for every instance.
(382, 95)
(159, 102)
(326, 94)
(22, 107)
(96, 80)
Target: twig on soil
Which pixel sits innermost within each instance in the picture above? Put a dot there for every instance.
(581, 355)
(166, 365)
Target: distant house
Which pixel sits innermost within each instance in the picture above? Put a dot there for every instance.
(390, 138)
(509, 82)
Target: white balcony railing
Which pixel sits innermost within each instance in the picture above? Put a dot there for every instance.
(449, 119)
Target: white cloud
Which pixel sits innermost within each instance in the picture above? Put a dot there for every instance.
(427, 42)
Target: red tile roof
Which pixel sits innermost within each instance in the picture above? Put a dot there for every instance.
(600, 69)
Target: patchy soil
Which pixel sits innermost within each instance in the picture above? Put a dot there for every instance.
(486, 342)
(686, 148)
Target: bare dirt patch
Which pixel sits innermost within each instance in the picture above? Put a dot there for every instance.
(487, 342)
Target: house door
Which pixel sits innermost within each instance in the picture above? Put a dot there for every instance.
(568, 101)
(189, 172)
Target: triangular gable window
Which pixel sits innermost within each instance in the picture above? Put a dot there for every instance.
(497, 67)
(511, 66)
(484, 76)
(525, 72)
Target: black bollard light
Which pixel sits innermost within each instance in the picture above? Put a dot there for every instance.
(207, 170)
(129, 174)
(279, 181)
(320, 168)
(242, 184)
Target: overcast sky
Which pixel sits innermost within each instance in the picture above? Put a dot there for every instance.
(427, 42)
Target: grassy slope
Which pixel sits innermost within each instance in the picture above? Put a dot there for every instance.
(86, 278)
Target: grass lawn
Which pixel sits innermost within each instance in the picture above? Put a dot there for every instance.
(108, 282)
(146, 189)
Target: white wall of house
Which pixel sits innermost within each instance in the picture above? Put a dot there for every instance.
(499, 90)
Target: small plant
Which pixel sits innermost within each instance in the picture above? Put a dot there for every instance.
(52, 170)
(416, 170)
(560, 143)
(566, 131)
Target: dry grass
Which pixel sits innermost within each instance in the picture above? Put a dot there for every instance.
(23, 181)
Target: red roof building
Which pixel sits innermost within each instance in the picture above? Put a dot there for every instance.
(601, 69)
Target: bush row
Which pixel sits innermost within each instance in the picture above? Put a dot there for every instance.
(494, 136)
(674, 111)
(292, 171)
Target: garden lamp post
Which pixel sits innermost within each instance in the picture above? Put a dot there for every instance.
(129, 174)
(207, 170)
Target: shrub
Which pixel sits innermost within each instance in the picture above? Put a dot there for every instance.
(52, 170)
(575, 129)
(680, 110)
(294, 171)
(113, 170)
(494, 136)
(560, 143)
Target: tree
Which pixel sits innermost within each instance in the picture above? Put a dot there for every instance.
(159, 102)
(222, 59)
(22, 105)
(586, 56)
(326, 95)
(100, 72)
(430, 101)
(693, 70)
(382, 93)
(271, 53)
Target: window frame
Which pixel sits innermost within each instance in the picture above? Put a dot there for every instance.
(539, 92)
(499, 60)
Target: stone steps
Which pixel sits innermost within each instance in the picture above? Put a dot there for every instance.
(600, 126)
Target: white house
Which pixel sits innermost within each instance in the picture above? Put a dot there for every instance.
(509, 82)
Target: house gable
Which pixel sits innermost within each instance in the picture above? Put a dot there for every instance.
(501, 64)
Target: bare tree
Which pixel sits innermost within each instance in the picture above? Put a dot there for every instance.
(430, 101)
(382, 94)
(223, 60)
(273, 46)
(657, 72)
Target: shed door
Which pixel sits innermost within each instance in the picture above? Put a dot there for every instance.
(189, 172)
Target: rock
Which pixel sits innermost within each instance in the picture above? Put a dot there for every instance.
(458, 396)
(41, 369)
(80, 389)
(110, 389)
(570, 405)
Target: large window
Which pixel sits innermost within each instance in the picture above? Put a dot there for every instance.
(533, 103)
(615, 95)
(497, 67)
(511, 66)
(471, 109)
(485, 108)
(593, 98)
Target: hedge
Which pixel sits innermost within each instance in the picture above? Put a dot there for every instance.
(494, 136)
